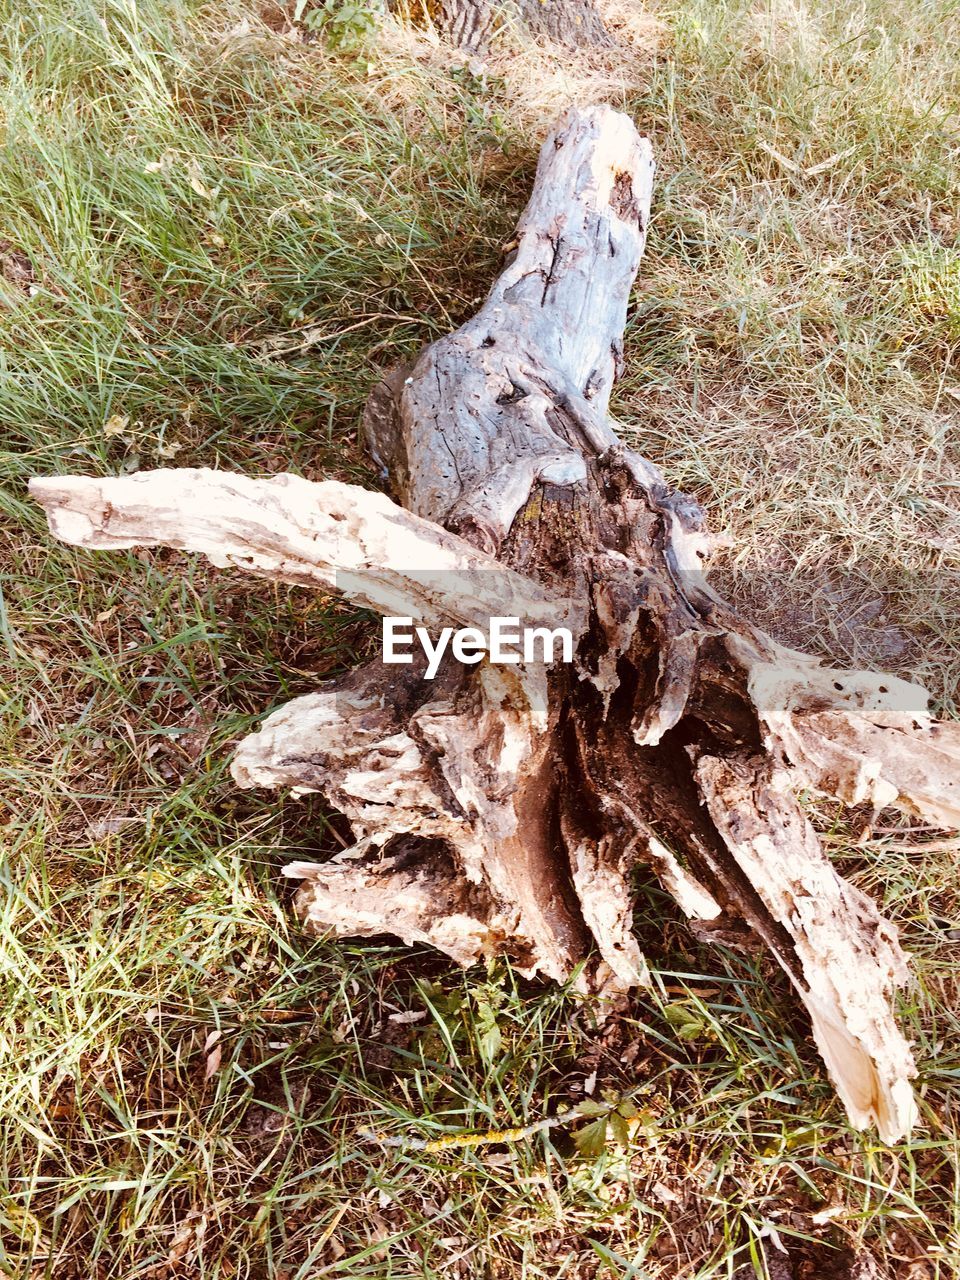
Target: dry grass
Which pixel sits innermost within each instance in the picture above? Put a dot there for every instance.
(213, 233)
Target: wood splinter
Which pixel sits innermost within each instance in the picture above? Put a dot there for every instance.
(497, 811)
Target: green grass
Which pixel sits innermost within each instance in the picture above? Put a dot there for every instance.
(213, 236)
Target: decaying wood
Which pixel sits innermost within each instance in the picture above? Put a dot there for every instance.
(503, 810)
(288, 529)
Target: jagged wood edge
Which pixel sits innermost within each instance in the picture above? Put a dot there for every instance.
(464, 768)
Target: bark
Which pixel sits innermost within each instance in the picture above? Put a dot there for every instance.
(505, 810)
(470, 24)
(568, 22)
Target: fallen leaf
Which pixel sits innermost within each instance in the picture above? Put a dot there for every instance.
(378, 1231)
(165, 162)
(824, 1216)
(238, 32)
(104, 827)
(196, 181)
(663, 1192)
(214, 1051)
(187, 1237)
(116, 424)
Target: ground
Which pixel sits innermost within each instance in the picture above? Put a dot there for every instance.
(217, 224)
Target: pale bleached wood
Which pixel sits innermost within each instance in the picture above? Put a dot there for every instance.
(849, 957)
(315, 534)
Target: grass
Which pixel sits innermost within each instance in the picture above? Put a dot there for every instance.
(214, 233)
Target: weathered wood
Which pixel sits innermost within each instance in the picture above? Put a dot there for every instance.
(328, 534)
(504, 810)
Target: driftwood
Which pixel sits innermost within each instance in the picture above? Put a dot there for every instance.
(503, 810)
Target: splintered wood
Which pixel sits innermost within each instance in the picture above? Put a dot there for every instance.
(502, 810)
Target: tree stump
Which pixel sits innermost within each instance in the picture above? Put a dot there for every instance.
(503, 810)
(470, 24)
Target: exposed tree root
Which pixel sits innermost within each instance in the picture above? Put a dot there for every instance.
(504, 809)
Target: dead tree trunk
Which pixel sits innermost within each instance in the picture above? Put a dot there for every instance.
(503, 810)
(470, 24)
(569, 22)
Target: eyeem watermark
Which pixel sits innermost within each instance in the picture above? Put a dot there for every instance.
(505, 640)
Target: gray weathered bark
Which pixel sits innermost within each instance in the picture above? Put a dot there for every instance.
(504, 810)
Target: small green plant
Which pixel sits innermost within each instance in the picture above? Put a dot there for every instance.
(615, 1118)
(346, 25)
(687, 1022)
